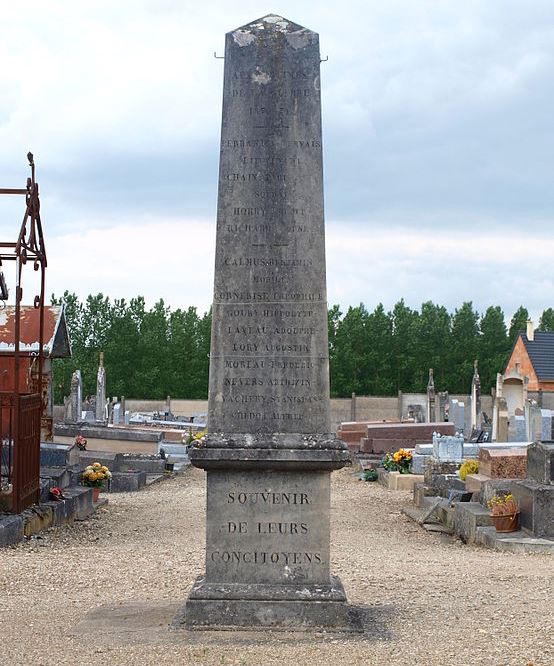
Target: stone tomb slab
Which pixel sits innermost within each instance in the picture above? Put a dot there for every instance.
(503, 463)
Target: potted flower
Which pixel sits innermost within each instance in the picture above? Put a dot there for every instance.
(504, 512)
(94, 477)
(399, 461)
(81, 442)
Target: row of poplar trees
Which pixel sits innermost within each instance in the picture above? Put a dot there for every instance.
(154, 352)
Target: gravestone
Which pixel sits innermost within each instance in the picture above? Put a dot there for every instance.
(546, 425)
(540, 462)
(431, 398)
(475, 400)
(448, 448)
(269, 451)
(521, 428)
(76, 398)
(101, 391)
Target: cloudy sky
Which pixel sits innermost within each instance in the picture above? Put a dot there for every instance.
(438, 144)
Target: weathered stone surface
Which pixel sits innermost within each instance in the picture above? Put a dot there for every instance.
(58, 455)
(448, 448)
(110, 460)
(269, 451)
(540, 462)
(536, 505)
(268, 527)
(418, 463)
(474, 482)
(259, 606)
(503, 463)
(127, 482)
(269, 360)
(435, 468)
(468, 516)
(11, 530)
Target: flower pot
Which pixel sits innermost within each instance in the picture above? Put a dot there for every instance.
(506, 523)
(95, 494)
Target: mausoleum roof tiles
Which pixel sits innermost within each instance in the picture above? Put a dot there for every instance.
(541, 353)
(56, 339)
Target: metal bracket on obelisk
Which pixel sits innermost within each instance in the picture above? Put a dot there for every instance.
(270, 451)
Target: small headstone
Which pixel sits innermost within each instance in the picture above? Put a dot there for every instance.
(76, 398)
(546, 425)
(100, 414)
(540, 462)
(418, 463)
(475, 399)
(448, 448)
(116, 414)
(520, 429)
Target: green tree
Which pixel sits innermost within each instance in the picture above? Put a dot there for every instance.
(494, 347)
(333, 321)
(518, 323)
(546, 322)
(351, 358)
(464, 347)
(403, 353)
(376, 371)
(432, 346)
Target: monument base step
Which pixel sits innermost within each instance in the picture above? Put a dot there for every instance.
(235, 607)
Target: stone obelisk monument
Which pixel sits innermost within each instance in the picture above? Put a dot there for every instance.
(269, 453)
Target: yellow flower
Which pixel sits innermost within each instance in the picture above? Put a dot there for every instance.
(104, 469)
(97, 465)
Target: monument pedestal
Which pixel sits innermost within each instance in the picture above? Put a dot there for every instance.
(267, 537)
(253, 606)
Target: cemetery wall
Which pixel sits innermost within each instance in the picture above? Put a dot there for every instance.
(368, 408)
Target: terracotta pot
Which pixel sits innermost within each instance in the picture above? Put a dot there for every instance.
(506, 523)
(95, 494)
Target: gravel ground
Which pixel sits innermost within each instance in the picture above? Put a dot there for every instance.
(430, 600)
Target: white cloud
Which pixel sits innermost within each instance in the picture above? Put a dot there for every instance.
(428, 106)
(169, 259)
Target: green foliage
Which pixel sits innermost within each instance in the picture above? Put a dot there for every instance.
(546, 322)
(152, 353)
(149, 353)
(518, 323)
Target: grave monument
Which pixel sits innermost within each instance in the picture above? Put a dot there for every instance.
(269, 452)
(101, 391)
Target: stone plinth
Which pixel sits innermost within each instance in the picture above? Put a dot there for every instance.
(503, 463)
(540, 462)
(474, 482)
(267, 541)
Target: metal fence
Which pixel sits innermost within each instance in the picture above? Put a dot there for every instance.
(20, 449)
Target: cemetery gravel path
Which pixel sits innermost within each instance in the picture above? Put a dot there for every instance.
(430, 600)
